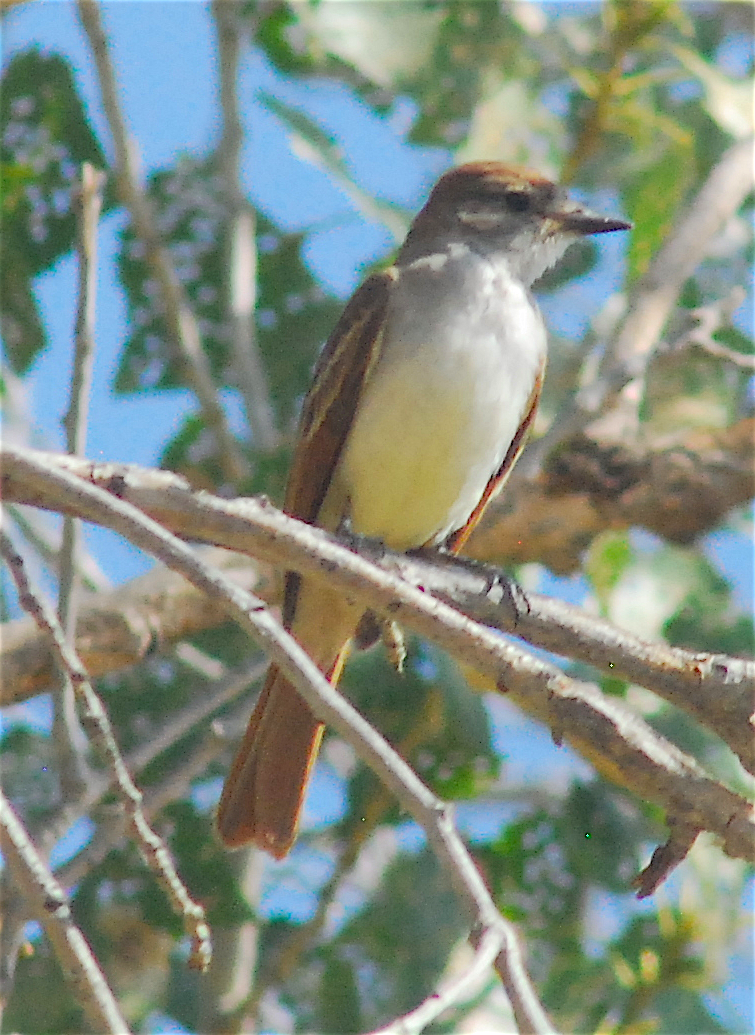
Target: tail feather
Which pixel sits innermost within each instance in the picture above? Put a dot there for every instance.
(264, 791)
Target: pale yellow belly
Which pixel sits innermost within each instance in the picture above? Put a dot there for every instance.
(428, 435)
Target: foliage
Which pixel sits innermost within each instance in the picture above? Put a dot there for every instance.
(634, 103)
(46, 136)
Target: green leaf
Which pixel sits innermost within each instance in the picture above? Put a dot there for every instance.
(41, 1000)
(681, 1011)
(608, 558)
(472, 37)
(302, 40)
(599, 831)
(385, 44)
(46, 136)
(652, 201)
(406, 932)
(727, 101)
(338, 1002)
(704, 618)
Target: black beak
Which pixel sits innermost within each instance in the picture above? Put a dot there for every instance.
(576, 219)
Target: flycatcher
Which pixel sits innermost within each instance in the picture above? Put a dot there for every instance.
(419, 408)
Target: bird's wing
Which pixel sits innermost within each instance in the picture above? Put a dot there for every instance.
(341, 372)
(457, 539)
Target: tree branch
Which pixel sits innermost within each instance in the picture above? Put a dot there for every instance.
(618, 743)
(434, 816)
(241, 247)
(183, 331)
(156, 796)
(69, 738)
(414, 1022)
(120, 627)
(49, 905)
(715, 689)
(97, 724)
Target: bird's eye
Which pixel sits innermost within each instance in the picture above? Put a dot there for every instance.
(517, 201)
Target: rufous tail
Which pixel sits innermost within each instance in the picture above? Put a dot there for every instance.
(264, 791)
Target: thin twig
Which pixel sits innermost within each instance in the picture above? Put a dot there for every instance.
(49, 905)
(165, 737)
(121, 627)
(68, 736)
(414, 1022)
(183, 330)
(241, 247)
(111, 827)
(98, 726)
(708, 319)
(434, 816)
(45, 540)
(89, 204)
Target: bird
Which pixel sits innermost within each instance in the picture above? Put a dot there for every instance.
(419, 407)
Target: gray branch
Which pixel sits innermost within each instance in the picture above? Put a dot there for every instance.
(433, 815)
(49, 905)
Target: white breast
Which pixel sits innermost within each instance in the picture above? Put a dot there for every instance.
(464, 343)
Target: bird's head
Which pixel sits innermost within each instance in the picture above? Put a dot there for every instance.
(498, 209)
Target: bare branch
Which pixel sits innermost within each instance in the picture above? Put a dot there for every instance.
(432, 814)
(117, 629)
(45, 539)
(162, 739)
(97, 724)
(112, 825)
(49, 905)
(604, 730)
(120, 627)
(69, 738)
(487, 949)
(90, 205)
(182, 325)
(241, 249)
(715, 689)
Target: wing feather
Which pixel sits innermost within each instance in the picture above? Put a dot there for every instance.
(341, 372)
